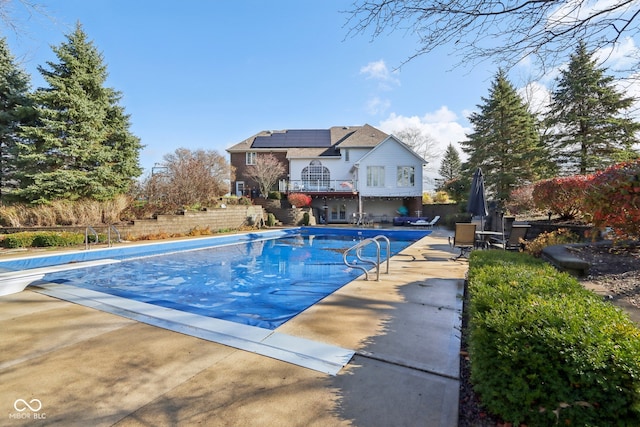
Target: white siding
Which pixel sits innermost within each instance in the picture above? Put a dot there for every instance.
(390, 154)
(338, 168)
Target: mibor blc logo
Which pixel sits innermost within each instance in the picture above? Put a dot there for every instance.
(27, 410)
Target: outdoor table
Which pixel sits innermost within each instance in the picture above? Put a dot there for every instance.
(483, 236)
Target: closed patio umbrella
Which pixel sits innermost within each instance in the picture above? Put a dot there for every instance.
(477, 205)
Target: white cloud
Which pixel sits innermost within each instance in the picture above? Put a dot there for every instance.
(379, 71)
(443, 126)
(537, 96)
(619, 56)
(571, 12)
(376, 106)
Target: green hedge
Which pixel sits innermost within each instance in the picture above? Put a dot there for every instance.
(29, 239)
(545, 351)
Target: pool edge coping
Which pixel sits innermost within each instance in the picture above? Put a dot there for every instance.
(315, 355)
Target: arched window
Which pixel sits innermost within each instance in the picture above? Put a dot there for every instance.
(316, 176)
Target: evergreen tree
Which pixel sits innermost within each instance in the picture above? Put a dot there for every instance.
(15, 111)
(81, 146)
(587, 114)
(505, 142)
(451, 164)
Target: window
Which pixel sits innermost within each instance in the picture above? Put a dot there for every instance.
(339, 212)
(346, 155)
(406, 176)
(375, 176)
(316, 176)
(251, 157)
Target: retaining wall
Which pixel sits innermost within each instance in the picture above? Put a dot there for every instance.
(231, 217)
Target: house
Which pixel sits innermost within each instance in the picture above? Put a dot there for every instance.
(352, 173)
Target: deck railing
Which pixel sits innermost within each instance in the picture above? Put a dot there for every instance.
(315, 186)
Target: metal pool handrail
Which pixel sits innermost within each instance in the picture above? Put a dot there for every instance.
(358, 251)
(86, 236)
(386, 239)
(113, 227)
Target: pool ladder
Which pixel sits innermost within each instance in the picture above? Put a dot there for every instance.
(357, 249)
(95, 234)
(86, 236)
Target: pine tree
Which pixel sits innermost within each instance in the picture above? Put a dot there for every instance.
(81, 146)
(505, 142)
(451, 165)
(588, 115)
(15, 110)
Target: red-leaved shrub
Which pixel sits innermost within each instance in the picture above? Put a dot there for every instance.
(614, 199)
(562, 196)
(299, 200)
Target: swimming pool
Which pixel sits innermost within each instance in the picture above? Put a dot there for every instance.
(259, 279)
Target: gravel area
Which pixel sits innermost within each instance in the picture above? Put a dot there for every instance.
(616, 269)
(614, 273)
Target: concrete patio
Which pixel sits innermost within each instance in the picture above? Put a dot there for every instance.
(67, 364)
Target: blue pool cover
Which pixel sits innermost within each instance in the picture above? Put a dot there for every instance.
(260, 279)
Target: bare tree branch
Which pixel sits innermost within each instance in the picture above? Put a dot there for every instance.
(9, 11)
(265, 172)
(503, 31)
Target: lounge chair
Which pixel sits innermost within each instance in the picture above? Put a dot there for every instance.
(464, 238)
(433, 221)
(423, 223)
(514, 241)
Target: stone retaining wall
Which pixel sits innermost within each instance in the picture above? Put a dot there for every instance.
(231, 217)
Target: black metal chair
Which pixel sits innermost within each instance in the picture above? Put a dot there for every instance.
(513, 242)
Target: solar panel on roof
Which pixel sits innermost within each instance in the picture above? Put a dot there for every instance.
(294, 138)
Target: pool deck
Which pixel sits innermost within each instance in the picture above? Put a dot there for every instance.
(89, 367)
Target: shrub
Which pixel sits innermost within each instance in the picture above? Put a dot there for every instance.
(271, 220)
(28, 239)
(562, 236)
(614, 199)
(10, 216)
(520, 200)
(61, 239)
(299, 200)
(18, 240)
(545, 351)
(198, 231)
(64, 212)
(562, 196)
(244, 201)
(274, 195)
(442, 197)
(305, 218)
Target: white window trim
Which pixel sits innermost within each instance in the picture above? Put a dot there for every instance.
(406, 176)
(377, 180)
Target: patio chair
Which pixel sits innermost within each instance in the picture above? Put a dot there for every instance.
(514, 241)
(433, 221)
(464, 238)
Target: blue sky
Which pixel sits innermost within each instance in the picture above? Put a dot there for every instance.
(208, 74)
